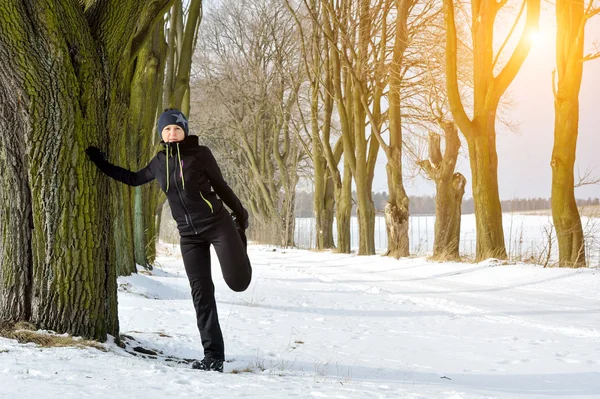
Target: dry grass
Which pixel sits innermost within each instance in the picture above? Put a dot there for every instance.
(241, 370)
(25, 332)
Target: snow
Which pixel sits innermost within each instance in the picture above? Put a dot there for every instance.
(525, 235)
(323, 325)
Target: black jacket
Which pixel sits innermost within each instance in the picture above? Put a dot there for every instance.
(193, 202)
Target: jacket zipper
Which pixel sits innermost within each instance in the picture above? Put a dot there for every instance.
(207, 203)
(188, 216)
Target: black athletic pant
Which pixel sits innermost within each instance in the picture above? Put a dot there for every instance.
(236, 269)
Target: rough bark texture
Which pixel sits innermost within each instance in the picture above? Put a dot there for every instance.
(15, 211)
(570, 18)
(68, 285)
(58, 61)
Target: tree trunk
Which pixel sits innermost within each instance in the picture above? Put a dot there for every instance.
(396, 210)
(488, 211)
(343, 212)
(571, 20)
(65, 97)
(328, 214)
(365, 209)
(15, 213)
(146, 91)
(319, 207)
(319, 168)
(448, 201)
(567, 221)
(488, 89)
(333, 182)
(450, 188)
(181, 91)
(63, 284)
(289, 219)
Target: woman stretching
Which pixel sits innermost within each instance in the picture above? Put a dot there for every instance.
(188, 173)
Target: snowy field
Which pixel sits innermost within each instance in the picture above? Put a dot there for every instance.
(320, 325)
(526, 236)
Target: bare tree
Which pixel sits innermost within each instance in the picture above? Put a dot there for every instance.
(488, 88)
(312, 50)
(248, 78)
(571, 18)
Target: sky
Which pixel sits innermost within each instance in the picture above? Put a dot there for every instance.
(524, 156)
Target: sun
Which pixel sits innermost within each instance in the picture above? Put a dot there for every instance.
(536, 37)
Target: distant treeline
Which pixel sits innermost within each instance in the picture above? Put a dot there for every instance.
(425, 205)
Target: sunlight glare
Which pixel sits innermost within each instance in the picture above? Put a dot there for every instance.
(536, 36)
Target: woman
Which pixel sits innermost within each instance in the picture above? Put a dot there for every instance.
(188, 173)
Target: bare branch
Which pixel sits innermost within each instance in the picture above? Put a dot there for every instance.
(510, 70)
(587, 179)
(510, 33)
(454, 98)
(592, 56)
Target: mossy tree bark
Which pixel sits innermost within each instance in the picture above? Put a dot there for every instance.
(16, 219)
(64, 92)
(480, 129)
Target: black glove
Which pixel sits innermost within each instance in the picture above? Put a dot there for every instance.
(241, 228)
(95, 155)
(240, 224)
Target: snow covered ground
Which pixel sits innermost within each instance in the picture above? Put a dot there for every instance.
(321, 325)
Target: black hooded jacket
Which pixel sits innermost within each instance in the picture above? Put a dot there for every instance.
(188, 176)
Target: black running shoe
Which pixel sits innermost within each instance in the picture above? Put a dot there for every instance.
(209, 364)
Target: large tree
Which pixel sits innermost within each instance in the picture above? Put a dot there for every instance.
(571, 18)
(65, 78)
(489, 85)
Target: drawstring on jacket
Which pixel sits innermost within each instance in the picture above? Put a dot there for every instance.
(168, 148)
(180, 167)
(170, 152)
